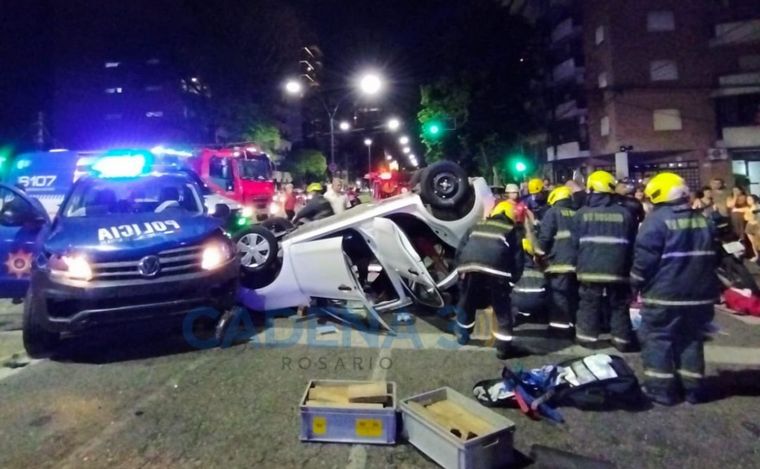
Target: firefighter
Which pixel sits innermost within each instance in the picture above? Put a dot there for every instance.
(317, 208)
(555, 241)
(674, 268)
(488, 259)
(603, 237)
(536, 200)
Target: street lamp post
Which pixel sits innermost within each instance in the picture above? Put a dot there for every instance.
(368, 142)
(369, 84)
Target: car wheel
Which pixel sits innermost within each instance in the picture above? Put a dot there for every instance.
(278, 226)
(257, 248)
(38, 341)
(444, 185)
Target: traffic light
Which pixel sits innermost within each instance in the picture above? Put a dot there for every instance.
(433, 129)
(518, 165)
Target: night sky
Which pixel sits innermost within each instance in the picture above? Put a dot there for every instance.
(242, 46)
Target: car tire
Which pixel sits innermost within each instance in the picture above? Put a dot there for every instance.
(444, 185)
(38, 341)
(257, 248)
(278, 226)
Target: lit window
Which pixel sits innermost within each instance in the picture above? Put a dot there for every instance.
(599, 35)
(112, 64)
(660, 21)
(113, 117)
(154, 114)
(153, 61)
(152, 88)
(663, 70)
(603, 83)
(116, 90)
(667, 119)
(605, 126)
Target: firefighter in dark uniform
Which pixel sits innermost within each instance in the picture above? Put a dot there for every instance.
(489, 258)
(674, 268)
(318, 206)
(604, 235)
(536, 200)
(555, 239)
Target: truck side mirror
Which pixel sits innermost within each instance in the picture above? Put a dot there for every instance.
(221, 211)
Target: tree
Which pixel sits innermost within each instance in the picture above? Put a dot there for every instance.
(308, 164)
(267, 136)
(480, 49)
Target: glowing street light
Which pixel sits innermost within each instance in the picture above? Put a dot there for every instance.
(370, 84)
(406, 150)
(293, 87)
(388, 157)
(404, 140)
(368, 142)
(344, 126)
(412, 156)
(393, 124)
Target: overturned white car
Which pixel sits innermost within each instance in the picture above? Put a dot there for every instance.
(380, 256)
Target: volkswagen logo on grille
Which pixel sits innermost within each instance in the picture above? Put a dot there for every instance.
(149, 266)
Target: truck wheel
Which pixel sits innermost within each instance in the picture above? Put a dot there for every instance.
(38, 341)
(257, 248)
(444, 185)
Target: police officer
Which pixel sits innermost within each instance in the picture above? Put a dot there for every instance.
(604, 235)
(536, 200)
(674, 266)
(555, 239)
(317, 207)
(488, 259)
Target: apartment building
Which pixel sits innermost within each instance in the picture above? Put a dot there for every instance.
(639, 87)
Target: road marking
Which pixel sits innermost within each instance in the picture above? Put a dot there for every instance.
(352, 338)
(357, 457)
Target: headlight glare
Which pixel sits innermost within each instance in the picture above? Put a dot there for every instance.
(74, 267)
(214, 255)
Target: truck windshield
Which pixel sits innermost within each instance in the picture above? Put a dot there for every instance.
(256, 168)
(154, 194)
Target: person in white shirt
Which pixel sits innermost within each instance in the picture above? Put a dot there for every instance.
(336, 196)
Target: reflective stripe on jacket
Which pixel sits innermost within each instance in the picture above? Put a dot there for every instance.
(603, 236)
(675, 259)
(555, 238)
(491, 247)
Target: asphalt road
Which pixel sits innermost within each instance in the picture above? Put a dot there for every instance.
(143, 398)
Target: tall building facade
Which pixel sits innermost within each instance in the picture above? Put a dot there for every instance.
(639, 87)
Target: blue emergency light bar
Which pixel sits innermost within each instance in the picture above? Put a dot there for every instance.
(121, 164)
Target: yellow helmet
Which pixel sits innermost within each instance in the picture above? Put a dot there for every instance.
(314, 187)
(560, 193)
(601, 182)
(506, 208)
(535, 186)
(527, 246)
(666, 187)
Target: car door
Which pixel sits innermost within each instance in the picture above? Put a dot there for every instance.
(21, 220)
(395, 252)
(323, 270)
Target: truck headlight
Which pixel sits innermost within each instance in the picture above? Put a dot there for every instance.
(74, 267)
(214, 255)
(274, 208)
(248, 212)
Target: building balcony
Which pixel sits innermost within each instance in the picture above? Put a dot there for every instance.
(566, 151)
(567, 70)
(738, 84)
(564, 30)
(569, 110)
(741, 137)
(737, 32)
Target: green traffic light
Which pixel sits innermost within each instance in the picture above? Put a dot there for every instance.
(434, 129)
(520, 167)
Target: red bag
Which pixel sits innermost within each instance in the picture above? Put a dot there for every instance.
(742, 304)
